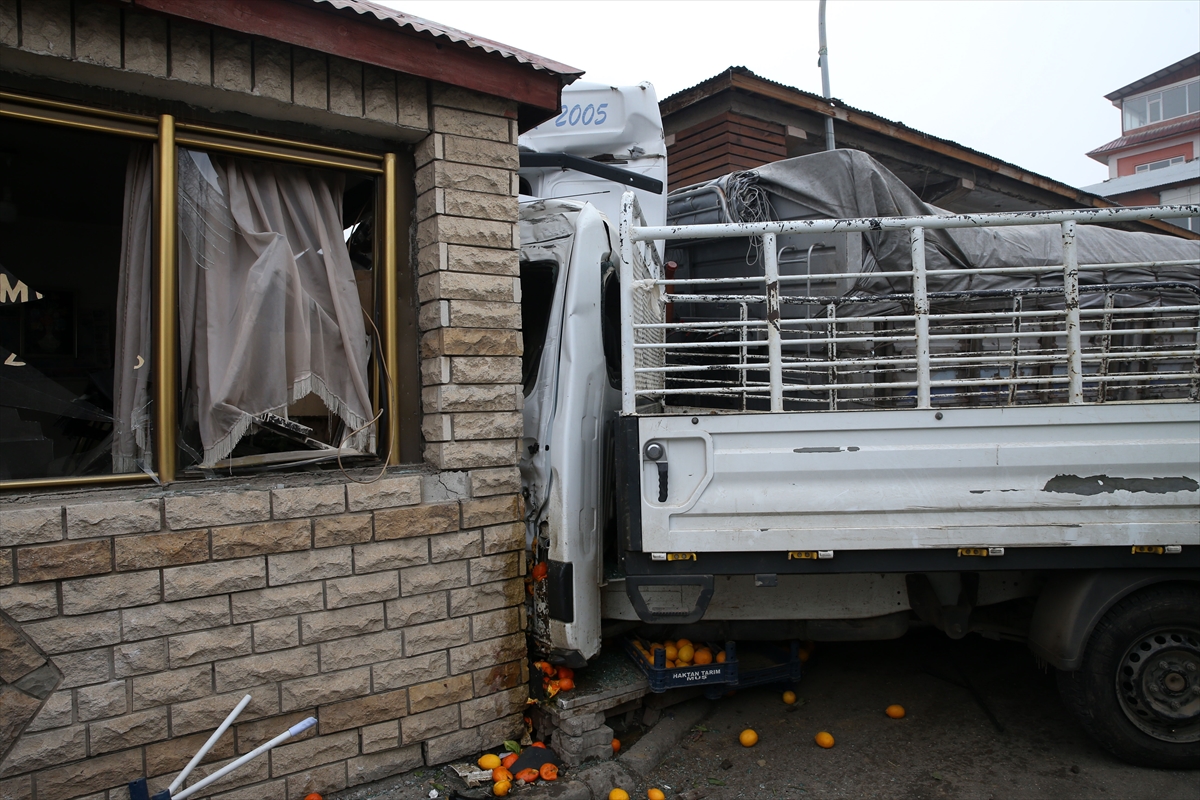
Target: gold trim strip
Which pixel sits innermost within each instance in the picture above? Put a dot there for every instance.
(391, 333)
(75, 107)
(280, 142)
(278, 153)
(81, 124)
(91, 480)
(166, 345)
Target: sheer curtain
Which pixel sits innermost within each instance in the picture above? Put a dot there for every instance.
(132, 369)
(268, 309)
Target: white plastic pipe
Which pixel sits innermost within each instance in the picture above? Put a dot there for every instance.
(299, 727)
(212, 740)
(824, 58)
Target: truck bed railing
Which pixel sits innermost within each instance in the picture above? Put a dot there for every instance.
(1051, 341)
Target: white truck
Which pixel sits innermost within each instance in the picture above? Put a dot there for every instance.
(814, 407)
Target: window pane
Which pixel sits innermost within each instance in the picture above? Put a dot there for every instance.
(1193, 93)
(1154, 104)
(65, 306)
(1174, 102)
(1135, 113)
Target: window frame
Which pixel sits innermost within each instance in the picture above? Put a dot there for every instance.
(1155, 96)
(168, 136)
(1150, 166)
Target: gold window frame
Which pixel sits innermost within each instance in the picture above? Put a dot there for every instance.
(168, 135)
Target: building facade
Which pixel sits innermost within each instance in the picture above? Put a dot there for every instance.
(260, 391)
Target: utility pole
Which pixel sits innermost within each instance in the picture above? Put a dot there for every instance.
(823, 60)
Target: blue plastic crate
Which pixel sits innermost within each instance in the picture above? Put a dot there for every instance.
(661, 678)
(783, 666)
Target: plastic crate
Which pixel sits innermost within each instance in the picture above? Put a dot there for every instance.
(662, 678)
(781, 664)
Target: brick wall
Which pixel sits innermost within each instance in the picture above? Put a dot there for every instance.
(133, 620)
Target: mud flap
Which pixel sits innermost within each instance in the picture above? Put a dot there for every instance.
(635, 583)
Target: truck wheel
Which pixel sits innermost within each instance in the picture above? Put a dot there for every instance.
(1138, 692)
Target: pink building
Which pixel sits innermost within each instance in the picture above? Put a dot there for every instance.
(1154, 160)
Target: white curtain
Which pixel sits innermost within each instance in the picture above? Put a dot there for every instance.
(268, 310)
(132, 368)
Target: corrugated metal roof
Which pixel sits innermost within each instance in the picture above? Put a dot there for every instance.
(385, 14)
(1184, 125)
(1140, 83)
(1176, 173)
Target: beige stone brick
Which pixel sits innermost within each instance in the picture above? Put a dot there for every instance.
(276, 634)
(139, 658)
(419, 727)
(491, 624)
(207, 712)
(104, 772)
(391, 555)
(211, 645)
(276, 666)
(55, 713)
(443, 94)
(327, 778)
(165, 619)
(22, 788)
(432, 578)
(362, 711)
(46, 27)
(171, 756)
(453, 746)
(345, 87)
(375, 766)
(398, 523)
(485, 709)
(403, 490)
(328, 687)
(90, 595)
(218, 577)
(480, 314)
(269, 789)
(470, 399)
(459, 178)
(361, 589)
(502, 729)
(381, 736)
(190, 54)
(273, 69)
(415, 610)
(496, 678)
(17, 656)
(217, 508)
(113, 518)
(309, 565)
(40, 750)
(439, 693)
(434, 315)
(492, 651)
(278, 601)
(172, 686)
(436, 636)
(489, 482)
(468, 123)
(468, 286)
(489, 369)
(83, 668)
(502, 155)
(454, 546)
(26, 603)
(67, 634)
(101, 700)
(445, 487)
(403, 672)
(354, 621)
(15, 708)
(322, 749)
(436, 256)
(471, 342)
(253, 772)
(146, 44)
(478, 260)
(310, 78)
(232, 63)
(471, 454)
(491, 511)
(31, 526)
(436, 427)
(486, 597)
(49, 562)
(98, 34)
(357, 651)
(435, 371)
(239, 541)
(308, 501)
(130, 730)
(379, 94)
(7, 578)
(342, 529)
(503, 538)
(495, 568)
(253, 734)
(161, 550)
(496, 425)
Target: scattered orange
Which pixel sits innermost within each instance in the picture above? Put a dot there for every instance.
(894, 711)
(655, 794)
(540, 571)
(488, 761)
(501, 788)
(704, 656)
(546, 667)
(789, 697)
(508, 760)
(528, 775)
(501, 774)
(313, 796)
(824, 739)
(549, 772)
(618, 794)
(566, 684)
(748, 738)
(566, 672)
(616, 745)
(720, 656)
(542, 745)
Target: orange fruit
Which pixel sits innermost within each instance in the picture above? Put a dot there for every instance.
(616, 745)
(542, 745)
(549, 772)
(501, 788)
(894, 711)
(683, 642)
(488, 761)
(501, 774)
(540, 571)
(566, 684)
(789, 697)
(686, 653)
(824, 739)
(655, 794)
(703, 656)
(313, 796)
(720, 656)
(672, 651)
(618, 794)
(508, 760)
(748, 738)
(528, 775)
(566, 672)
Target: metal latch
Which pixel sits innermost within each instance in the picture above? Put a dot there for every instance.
(981, 552)
(1157, 550)
(656, 452)
(672, 556)
(809, 554)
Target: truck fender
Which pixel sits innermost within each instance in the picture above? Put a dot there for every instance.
(1071, 604)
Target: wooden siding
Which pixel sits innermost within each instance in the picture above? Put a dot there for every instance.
(723, 144)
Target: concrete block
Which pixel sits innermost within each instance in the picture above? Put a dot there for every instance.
(113, 518)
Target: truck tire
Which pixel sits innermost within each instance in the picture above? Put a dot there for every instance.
(1138, 691)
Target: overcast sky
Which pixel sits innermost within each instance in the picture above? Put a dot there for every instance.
(1021, 81)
